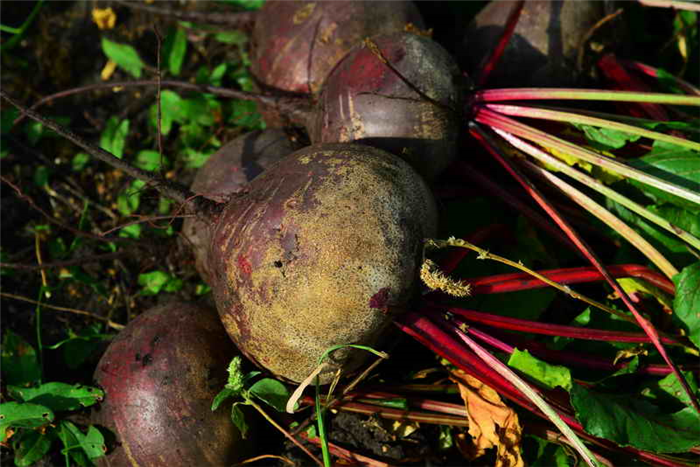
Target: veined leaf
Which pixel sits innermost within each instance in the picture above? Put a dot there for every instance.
(687, 302)
(606, 139)
(674, 164)
(58, 396)
(549, 375)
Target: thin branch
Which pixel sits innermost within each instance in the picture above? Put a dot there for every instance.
(236, 20)
(66, 263)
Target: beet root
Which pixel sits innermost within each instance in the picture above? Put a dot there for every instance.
(227, 171)
(411, 114)
(544, 45)
(315, 251)
(297, 43)
(160, 376)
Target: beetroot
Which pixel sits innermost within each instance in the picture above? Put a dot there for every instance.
(228, 171)
(297, 43)
(160, 376)
(411, 113)
(544, 46)
(313, 253)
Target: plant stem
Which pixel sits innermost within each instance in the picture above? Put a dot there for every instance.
(601, 188)
(570, 117)
(484, 254)
(249, 400)
(501, 122)
(612, 221)
(492, 60)
(522, 94)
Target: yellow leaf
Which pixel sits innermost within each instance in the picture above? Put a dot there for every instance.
(104, 18)
(683, 47)
(108, 70)
(403, 428)
(633, 285)
(630, 353)
(491, 423)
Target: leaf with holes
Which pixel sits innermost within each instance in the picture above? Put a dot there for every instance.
(23, 415)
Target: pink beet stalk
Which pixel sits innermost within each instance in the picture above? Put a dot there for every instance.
(492, 60)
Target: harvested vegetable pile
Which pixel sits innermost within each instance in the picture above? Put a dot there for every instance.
(409, 263)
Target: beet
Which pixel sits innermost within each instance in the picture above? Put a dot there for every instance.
(314, 251)
(365, 101)
(297, 43)
(160, 376)
(543, 48)
(228, 171)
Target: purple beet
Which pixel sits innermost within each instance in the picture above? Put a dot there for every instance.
(228, 171)
(297, 43)
(160, 376)
(407, 106)
(544, 47)
(315, 252)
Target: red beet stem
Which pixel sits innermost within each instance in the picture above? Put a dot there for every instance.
(492, 60)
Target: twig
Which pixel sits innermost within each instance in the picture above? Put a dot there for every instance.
(109, 322)
(64, 264)
(589, 34)
(238, 20)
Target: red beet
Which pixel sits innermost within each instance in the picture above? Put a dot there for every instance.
(544, 46)
(228, 171)
(314, 251)
(412, 113)
(297, 43)
(160, 376)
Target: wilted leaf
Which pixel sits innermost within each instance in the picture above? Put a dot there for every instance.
(58, 396)
(491, 422)
(687, 302)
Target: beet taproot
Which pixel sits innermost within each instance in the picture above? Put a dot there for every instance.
(228, 171)
(314, 251)
(544, 45)
(296, 43)
(160, 376)
(407, 106)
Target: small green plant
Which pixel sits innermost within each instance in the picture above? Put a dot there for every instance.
(37, 414)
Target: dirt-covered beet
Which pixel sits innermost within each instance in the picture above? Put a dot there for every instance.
(297, 43)
(160, 375)
(543, 48)
(228, 171)
(315, 251)
(412, 114)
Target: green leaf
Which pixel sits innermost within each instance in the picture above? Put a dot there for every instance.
(81, 447)
(20, 365)
(238, 419)
(41, 176)
(686, 305)
(170, 107)
(232, 37)
(23, 415)
(630, 421)
(606, 139)
(79, 161)
(549, 375)
(245, 114)
(194, 159)
(58, 396)
(174, 50)
(131, 231)
(149, 160)
(669, 388)
(674, 164)
(130, 199)
(218, 74)
(123, 55)
(113, 137)
(7, 118)
(246, 4)
(35, 130)
(221, 397)
(155, 281)
(272, 392)
(30, 447)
